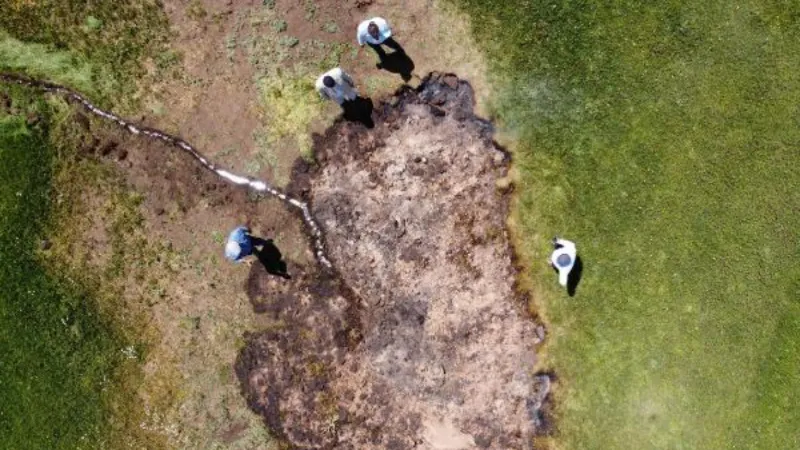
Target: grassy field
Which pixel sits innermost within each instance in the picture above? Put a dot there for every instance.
(58, 357)
(663, 138)
(65, 367)
(95, 47)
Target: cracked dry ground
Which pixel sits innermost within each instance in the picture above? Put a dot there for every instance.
(421, 340)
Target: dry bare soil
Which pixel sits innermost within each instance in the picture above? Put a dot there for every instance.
(243, 87)
(422, 342)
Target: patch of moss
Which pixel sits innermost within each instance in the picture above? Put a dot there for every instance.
(291, 104)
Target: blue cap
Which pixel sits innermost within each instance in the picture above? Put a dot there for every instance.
(564, 260)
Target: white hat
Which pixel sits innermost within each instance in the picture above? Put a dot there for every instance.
(232, 250)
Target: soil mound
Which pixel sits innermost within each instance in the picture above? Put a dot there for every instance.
(429, 346)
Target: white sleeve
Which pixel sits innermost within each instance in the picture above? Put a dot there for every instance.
(360, 33)
(321, 88)
(566, 244)
(386, 30)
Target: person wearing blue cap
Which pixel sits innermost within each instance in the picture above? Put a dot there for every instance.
(563, 258)
(239, 245)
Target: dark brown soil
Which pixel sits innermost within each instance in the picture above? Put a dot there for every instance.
(421, 341)
(317, 326)
(179, 191)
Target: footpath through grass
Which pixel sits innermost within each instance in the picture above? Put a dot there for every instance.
(664, 138)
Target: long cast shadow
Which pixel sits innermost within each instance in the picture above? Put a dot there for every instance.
(575, 276)
(398, 62)
(270, 257)
(359, 110)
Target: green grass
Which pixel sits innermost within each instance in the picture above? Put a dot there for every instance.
(97, 47)
(292, 104)
(663, 138)
(39, 60)
(59, 356)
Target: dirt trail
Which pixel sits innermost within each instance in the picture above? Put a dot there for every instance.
(256, 185)
(428, 345)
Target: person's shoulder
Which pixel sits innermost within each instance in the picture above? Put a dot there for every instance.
(235, 235)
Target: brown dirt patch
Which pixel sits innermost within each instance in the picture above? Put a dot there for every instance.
(209, 88)
(429, 346)
(188, 296)
(186, 300)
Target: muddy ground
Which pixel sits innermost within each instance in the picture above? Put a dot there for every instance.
(422, 342)
(417, 339)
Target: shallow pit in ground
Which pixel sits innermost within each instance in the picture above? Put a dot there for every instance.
(420, 341)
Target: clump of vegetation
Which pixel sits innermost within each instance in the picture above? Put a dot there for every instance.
(279, 26)
(195, 11)
(291, 104)
(92, 24)
(331, 27)
(288, 41)
(653, 134)
(311, 10)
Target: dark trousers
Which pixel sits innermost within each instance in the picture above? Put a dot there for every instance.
(391, 43)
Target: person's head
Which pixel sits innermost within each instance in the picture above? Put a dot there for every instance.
(563, 260)
(328, 81)
(373, 30)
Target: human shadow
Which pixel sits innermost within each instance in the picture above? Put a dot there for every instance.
(270, 257)
(359, 110)
(397, 62)
(574, 277)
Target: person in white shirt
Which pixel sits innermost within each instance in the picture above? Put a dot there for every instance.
(375, 32)
(336, 85)
(563, 258)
